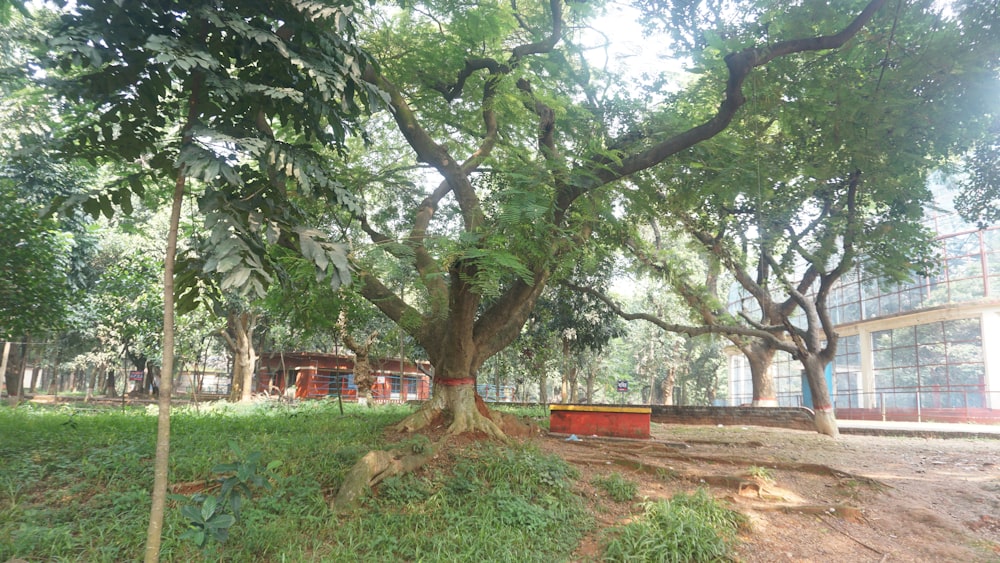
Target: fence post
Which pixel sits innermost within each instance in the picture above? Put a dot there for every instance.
(883, 406)
(918, 406)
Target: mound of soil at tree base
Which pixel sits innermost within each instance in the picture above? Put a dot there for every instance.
(811, 498)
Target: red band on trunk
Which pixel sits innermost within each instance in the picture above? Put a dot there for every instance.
(455, 382)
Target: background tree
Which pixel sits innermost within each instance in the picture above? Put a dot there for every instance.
(846, 189)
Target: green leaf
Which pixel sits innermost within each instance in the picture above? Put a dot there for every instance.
(208, 508)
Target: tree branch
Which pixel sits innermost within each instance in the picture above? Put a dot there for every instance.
(684, 329)
(739, 66)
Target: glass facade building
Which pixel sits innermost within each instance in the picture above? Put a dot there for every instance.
(924, 350)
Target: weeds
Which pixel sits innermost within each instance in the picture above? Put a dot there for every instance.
(617, 487)
(684, 529)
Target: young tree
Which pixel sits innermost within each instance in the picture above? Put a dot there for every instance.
(228, 94)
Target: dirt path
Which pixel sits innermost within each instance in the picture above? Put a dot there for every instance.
(813, 499)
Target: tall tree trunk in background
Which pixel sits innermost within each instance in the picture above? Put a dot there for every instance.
(239, 338)
(543, 389)
(3, 366)
(574, 385)
(760, 356)
(591, 379)
(18, 375)
(362, 361)
(564, 388)
(668, 386)
(109, 388)
(34, 377)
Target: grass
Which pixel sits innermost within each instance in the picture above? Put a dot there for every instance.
(80, 491)
(685, 529)
(75, 481)
(617, 487)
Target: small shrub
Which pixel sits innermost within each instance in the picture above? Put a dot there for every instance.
(684, 529)
(212, 515)
(617, 487)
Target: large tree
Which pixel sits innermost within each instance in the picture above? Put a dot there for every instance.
(499, 102)
(827, 173)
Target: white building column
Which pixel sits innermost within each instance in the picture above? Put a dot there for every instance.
(991, 356)
(867, 368)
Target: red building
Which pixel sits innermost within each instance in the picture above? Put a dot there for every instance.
(318, 375)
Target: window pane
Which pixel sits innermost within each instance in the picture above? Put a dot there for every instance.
(882, 358)
(931, 354)
(962, 330)
(930, 333)
(906, 336)
(904, 356)
(883, 379)
(965, 353)
(968, 374)
(905, 377)
(881, 339)
(936, 375)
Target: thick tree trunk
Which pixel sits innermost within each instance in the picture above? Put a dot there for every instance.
(363, 377)
(760, 358)
(826, 421)
(92, 381)
(239, 337)
(362, 361)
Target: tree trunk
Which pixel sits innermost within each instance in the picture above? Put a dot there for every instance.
(564, 387)
(573, 385)
(161, 464)
(668, 386)
(363, 377)
(362, 362)
(239, 337)
(543, 387)
(109, 384)
(760, 357)
(35, 372)
(3, 367)
(591, 380)
(826, 421)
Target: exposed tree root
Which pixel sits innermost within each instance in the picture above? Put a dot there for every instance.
(460, 409)
(376, 466)
(465, 412)
(848, 513)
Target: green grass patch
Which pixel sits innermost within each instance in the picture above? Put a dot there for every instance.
(76, 480)
(685, 529)
(490, 503)
(76, 486)
(617, 487)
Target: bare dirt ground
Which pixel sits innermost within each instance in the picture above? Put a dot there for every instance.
(811, 498)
